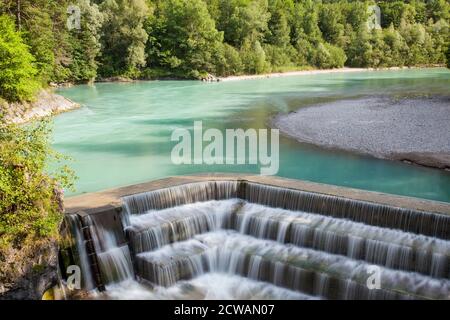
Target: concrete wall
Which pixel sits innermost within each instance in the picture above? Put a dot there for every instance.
(111, 199)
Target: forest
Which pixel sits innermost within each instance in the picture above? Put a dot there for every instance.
(186, 39)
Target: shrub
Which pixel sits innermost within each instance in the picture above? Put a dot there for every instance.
(254, 58)
(328, 56)
(16, 64)
(448, 56)
(229, 62)
(280, 57)
(29, 199)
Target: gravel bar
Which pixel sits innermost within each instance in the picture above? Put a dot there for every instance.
(409, 129)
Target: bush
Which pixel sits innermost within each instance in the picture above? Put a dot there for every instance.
(305, 52)
(16, 64)
(254, 58)
(328, 56)
(280, 57)
(29, 199)
(448, 56)
(229, 63)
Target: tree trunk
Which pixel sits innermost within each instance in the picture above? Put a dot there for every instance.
(18, 15)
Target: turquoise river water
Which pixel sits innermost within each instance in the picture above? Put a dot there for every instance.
(121, 135)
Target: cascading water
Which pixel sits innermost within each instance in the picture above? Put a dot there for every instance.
(230, 252)
(288, 243)
(114, 259)
(74, 227)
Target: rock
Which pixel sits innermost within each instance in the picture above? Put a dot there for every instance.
(46, 103)
(427, 159)
(115, 79)
(210, 78)
(28, 273)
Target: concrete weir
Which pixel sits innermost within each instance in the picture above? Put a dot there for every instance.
(314, 239)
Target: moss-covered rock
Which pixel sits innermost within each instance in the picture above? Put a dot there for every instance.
(28, 272)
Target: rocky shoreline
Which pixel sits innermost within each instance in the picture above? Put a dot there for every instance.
(46, 103)
(409, 129)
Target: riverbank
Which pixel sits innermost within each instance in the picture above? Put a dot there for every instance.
(305, 73)
(213, 78)
(45, 104)
(414, 130)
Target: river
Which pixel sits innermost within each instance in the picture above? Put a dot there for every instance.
(121, 135)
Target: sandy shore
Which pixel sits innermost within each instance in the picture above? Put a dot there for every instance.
(300, 73)
(415, 130)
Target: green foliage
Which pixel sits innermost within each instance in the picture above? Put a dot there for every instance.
(396, 12)
(242, 20)
(187, 39)
(29, 207)
(254, 58)
(280, 58)
(279, 30)
(85, 43)
(438, 9)
(331, 23)
(183, 36)
(328, 56)
(359, 50)
(448, 56)
(16, 64)
(230, 63)
(123, 36)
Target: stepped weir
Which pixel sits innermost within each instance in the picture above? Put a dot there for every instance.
(257, 237)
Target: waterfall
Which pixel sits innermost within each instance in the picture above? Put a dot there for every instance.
(179, 195)
(431, 224)
(233, 253)
(160, 227)
(300, 244)
(114, 260)
(211, 286)
(79, 256)
(391, 248)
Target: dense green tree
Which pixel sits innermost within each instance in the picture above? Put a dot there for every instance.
(183, 37)
(440, 35)
(123, 36)
(279, 31)
(418, 41)
(328, 56)
(331, 23)
(305, 22)
(246, 21)
(154, 38)
(447, 54)
(231, 62)
(438, 9)
(360, 49)
(17, 68)
(254, 57)
(85, 43)
(394, 49)
(396, 12)
(43, 23)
